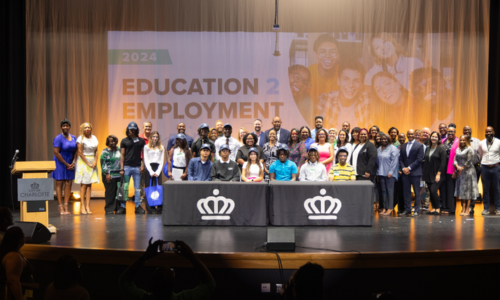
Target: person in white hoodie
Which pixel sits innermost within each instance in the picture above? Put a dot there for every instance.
(313, 170)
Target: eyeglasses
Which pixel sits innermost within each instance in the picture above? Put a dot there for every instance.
(298, 78)
(323, 53)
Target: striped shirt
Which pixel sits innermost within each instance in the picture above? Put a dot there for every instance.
(345, 173)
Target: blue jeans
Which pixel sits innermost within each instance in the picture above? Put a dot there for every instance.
(135, 172)
(491, 176)
(387, 191)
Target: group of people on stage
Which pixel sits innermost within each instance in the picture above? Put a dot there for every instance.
(395, 162)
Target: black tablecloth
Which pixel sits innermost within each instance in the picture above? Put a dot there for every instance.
(215, 203)
(321, 203)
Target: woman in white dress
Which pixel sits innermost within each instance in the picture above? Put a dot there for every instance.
(252, 170)
(86, 165)
(178, 159)
(154, 156)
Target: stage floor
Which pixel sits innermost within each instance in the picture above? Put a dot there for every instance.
(388, 234)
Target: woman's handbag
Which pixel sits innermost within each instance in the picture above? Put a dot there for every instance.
(122, 194)
(154, 194)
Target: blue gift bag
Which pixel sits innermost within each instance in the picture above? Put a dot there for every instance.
(154, 194)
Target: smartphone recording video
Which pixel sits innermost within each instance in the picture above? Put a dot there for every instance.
(169, 246)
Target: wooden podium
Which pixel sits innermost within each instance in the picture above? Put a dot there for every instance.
(35, 169)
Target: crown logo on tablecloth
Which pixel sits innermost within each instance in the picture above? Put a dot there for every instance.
(213, 212)
(323, 212)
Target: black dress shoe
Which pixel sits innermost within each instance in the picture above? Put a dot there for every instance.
(110, 212)
(139, 210)
(121, 211)
(406, 213)
(415, 214)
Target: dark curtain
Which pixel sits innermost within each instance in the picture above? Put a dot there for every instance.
(13, 92)
(493, 70)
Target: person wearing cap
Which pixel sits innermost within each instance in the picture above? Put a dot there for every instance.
(200, 168)
(227, 139)
(225, 169)
(131, 149)
(203, 139)
(342, 171)
(178, 158)
(313, 170)
(181, 128)
(387, 171)
(283, 169)
(249, 141)
(282, 134)
(252, 170)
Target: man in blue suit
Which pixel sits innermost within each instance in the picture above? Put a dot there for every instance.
(410, 161)
(282, 134)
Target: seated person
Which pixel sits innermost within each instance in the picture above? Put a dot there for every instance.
(67, 277)
(225, 169)
(313, 170)
(5, 221)
(252, 170)
(163, 279)
(283, 169)
(342, 171)
(200, 167)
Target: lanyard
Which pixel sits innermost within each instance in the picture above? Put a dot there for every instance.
(488, 147)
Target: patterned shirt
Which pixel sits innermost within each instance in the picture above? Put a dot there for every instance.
(298, 153)
(110, 162)
(342, 173)
(270, 154)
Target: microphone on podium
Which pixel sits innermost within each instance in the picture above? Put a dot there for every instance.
(14, 159)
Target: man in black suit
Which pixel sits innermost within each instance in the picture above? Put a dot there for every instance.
(410, 161)
(282, 134)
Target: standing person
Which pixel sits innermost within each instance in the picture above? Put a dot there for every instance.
(346, 126)
(364, 157)
(443, 130)
(220, 128)
(181, 128)
(257, 129)
(249, 142)
(199, 168)
(131, 149)
(324, 73)
(355, 136)
(410, 161)
(154, 159)
(325, 149)
(318, 124)
(147, 128)
(253, 170)
(213, 134)
(227, 139)
(394, 134)
(476, 161)
(270, 150)
(282, 134)
(225, 169)
(424, 138)
(14, 267)
(283, 169)
(332, 135)
(387, 171)
(203, 139)
(313, 170)
(434, 169)
(343, 142)
(65, 153)
(447, 189)
(418, 133)
(298, 151)
(466, 187)
(372, 134)
(305, 136)
(489, 151)
(110, 169)
(342, 171)
(179, 157)
(399, 193)
(86, 165)
(241, 133)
